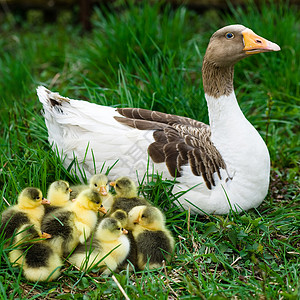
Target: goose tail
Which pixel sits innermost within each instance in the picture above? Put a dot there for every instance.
(50, 99)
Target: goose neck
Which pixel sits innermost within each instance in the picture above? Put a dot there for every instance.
(217, 80)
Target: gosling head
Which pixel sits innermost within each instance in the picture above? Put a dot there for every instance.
(121, 216)
(148, 217)
(31, 197)
(125, 187)
(91, 200)
(59, 193)
(99, 182)
(110, 229)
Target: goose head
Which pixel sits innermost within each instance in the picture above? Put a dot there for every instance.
(226, 47)
(232, 43)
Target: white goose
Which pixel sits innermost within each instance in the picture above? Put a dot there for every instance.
(223, 165)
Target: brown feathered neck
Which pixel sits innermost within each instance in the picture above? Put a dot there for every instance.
(217, 80)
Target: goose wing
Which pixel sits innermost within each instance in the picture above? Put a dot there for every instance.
(178, 141)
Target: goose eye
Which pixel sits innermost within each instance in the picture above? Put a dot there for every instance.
(119, 228)
(229, 35)
(143, 216)
(67, 189)
(95, 184)
(37, 198)
(97, 202)
(117, 185)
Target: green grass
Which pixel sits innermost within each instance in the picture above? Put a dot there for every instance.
(150, 56)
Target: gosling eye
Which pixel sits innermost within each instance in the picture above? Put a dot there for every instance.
(38, 198)
(97, 202)
(229, 35)
(117, 185)
(95, 184)
(143, 216)
(119, 228)
(67, 189)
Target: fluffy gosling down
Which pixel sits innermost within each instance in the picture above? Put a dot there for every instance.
(28, 210)
(122, 217)
(154, 241)
(73, 224)
(109, 248)
(39, 260)
(126, 195)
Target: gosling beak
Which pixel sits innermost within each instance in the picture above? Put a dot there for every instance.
(124, 231)
(45, 201)
(45, 235)
(103, 190)
(113, 183)
(256, 44)
(70, 190)
(102, 209)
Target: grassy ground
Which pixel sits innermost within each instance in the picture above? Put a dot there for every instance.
(151, 57)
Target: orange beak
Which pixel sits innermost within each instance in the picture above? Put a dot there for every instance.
(113, 183)
(124, 231)
(255, 44)
(45, 201)
(70, 190)
(45, 235)
(103, 190)
(102, 209)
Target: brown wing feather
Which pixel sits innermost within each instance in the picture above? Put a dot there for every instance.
(157, 116)
(179, 141)
(160, 136)
(141, 124)
(156, 152)
(171, 155)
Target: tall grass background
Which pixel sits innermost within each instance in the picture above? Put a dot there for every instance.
(149, 56)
